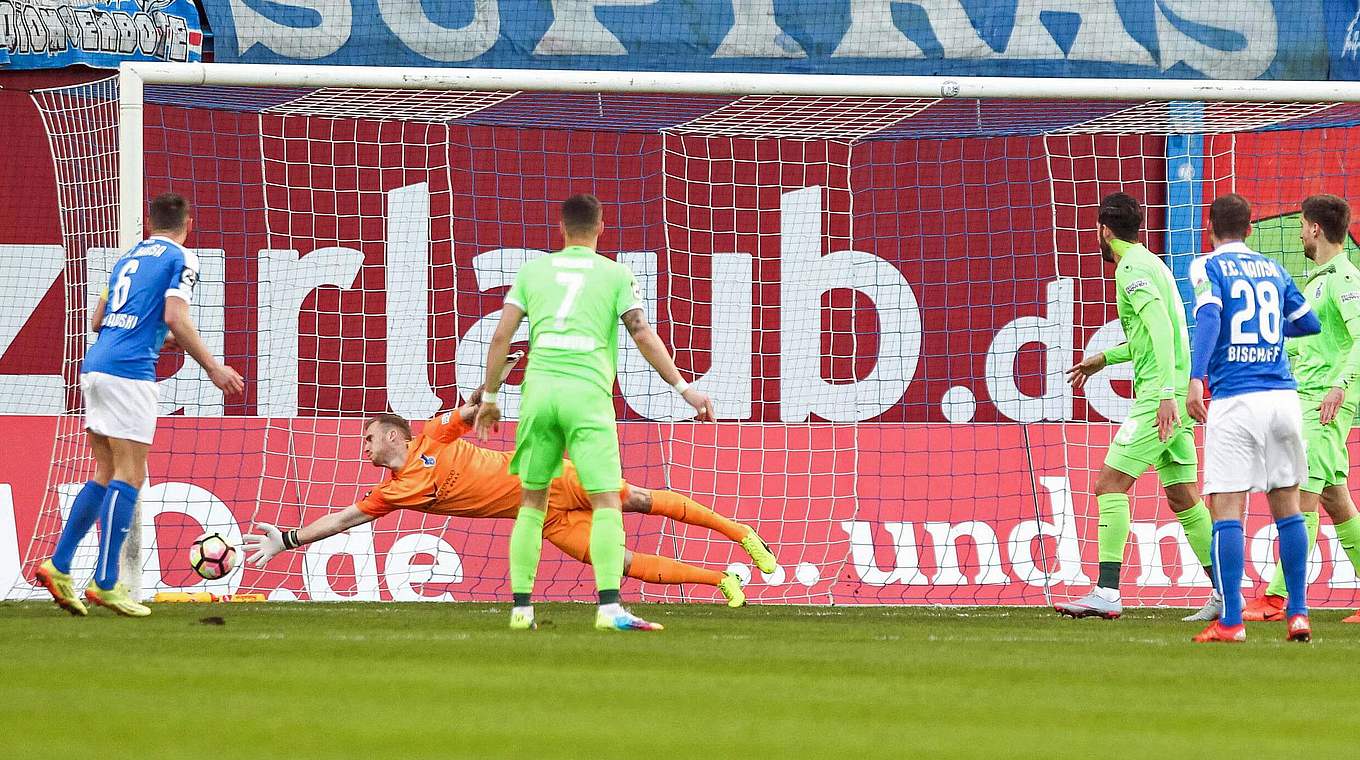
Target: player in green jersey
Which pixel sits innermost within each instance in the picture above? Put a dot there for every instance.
(573, 300)
(1158, 432)
(1326, 366)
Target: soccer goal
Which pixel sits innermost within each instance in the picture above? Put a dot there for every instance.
(880, 280)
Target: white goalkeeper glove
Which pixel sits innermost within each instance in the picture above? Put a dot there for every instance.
(262, 547)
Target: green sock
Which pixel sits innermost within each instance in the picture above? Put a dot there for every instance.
(606, 548)
(526, 544)
(1310, 523)
(1113, 534)
(1199, 531)
(1349, 535)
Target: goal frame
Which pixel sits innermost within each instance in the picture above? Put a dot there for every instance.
(133, 77)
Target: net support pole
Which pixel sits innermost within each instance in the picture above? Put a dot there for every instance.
(131, 186)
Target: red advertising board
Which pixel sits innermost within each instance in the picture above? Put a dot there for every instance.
(864, 514)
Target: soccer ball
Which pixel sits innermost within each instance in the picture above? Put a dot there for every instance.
(211, 556)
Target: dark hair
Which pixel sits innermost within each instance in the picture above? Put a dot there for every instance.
(1230, 217)
(168, 212)
(580, 213)
(1122, 213)
(390, 420)
(1330, 212)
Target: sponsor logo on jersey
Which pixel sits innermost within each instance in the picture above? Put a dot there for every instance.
(1136, 285)
(1350, 296)
(446, 417)
(427, 460)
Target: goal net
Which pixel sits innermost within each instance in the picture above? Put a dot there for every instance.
(880, 290)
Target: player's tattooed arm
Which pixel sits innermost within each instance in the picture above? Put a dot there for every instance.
(657, 355)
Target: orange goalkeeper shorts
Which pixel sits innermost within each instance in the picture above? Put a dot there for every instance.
(567, 525)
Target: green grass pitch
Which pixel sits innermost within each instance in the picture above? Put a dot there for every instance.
(449, 680)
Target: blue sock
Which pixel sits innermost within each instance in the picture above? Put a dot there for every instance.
(115, 518)
(84, 511)
(1294, 562)
(1228, 551)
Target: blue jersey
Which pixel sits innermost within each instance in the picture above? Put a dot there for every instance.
(133, 330)
(1257, 297)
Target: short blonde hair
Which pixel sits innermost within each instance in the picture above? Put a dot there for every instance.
(391, 420)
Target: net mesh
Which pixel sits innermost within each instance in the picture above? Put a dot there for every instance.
(881, 294)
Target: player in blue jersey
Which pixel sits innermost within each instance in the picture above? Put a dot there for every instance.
(1245, 306)
(149, 291)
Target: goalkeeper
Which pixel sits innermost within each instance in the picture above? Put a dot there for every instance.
(1325, 366)
(438, 473)
(1158, 432)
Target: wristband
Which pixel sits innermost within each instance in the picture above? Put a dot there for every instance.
(489, 397)
(290, 540)
(681, 386)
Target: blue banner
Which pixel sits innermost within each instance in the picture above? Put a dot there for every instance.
(49, 34)
(1343, 38)
(1274, 39)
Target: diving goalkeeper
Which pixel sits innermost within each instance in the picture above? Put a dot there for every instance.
(438, 473)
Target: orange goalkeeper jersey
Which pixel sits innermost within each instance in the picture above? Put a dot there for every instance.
(443, 475)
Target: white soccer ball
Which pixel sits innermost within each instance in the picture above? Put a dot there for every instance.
(211, 556)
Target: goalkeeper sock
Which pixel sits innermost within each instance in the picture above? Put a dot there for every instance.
(1310, 524)
(686, 510)
(84, 512)
(1198, 525)
(1228, 551)
(1112, 536)
(115, 519)
(606, 552)
(526, 544)
(1294, 547)
(1348, 534)
(654, 569)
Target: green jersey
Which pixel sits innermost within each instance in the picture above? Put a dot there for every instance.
(573, 300)
(1153, 317)
(1330, 359)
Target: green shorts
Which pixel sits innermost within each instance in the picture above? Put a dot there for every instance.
(1328, 459)
(560, 415)
(1137, 446)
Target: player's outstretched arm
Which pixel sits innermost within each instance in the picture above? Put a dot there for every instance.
(499, 362)
(182, 327)
(657, 355)
(261, 547)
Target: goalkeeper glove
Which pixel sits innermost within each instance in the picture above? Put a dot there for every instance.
(262, 547)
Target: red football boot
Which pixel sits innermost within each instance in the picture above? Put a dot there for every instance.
(1299, 629)
(1217, 632)
(1266, 608)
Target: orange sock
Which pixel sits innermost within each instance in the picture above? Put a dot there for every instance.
(686, 510)
(654, 569)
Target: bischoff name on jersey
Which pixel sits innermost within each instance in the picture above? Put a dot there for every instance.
(1253, 353)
